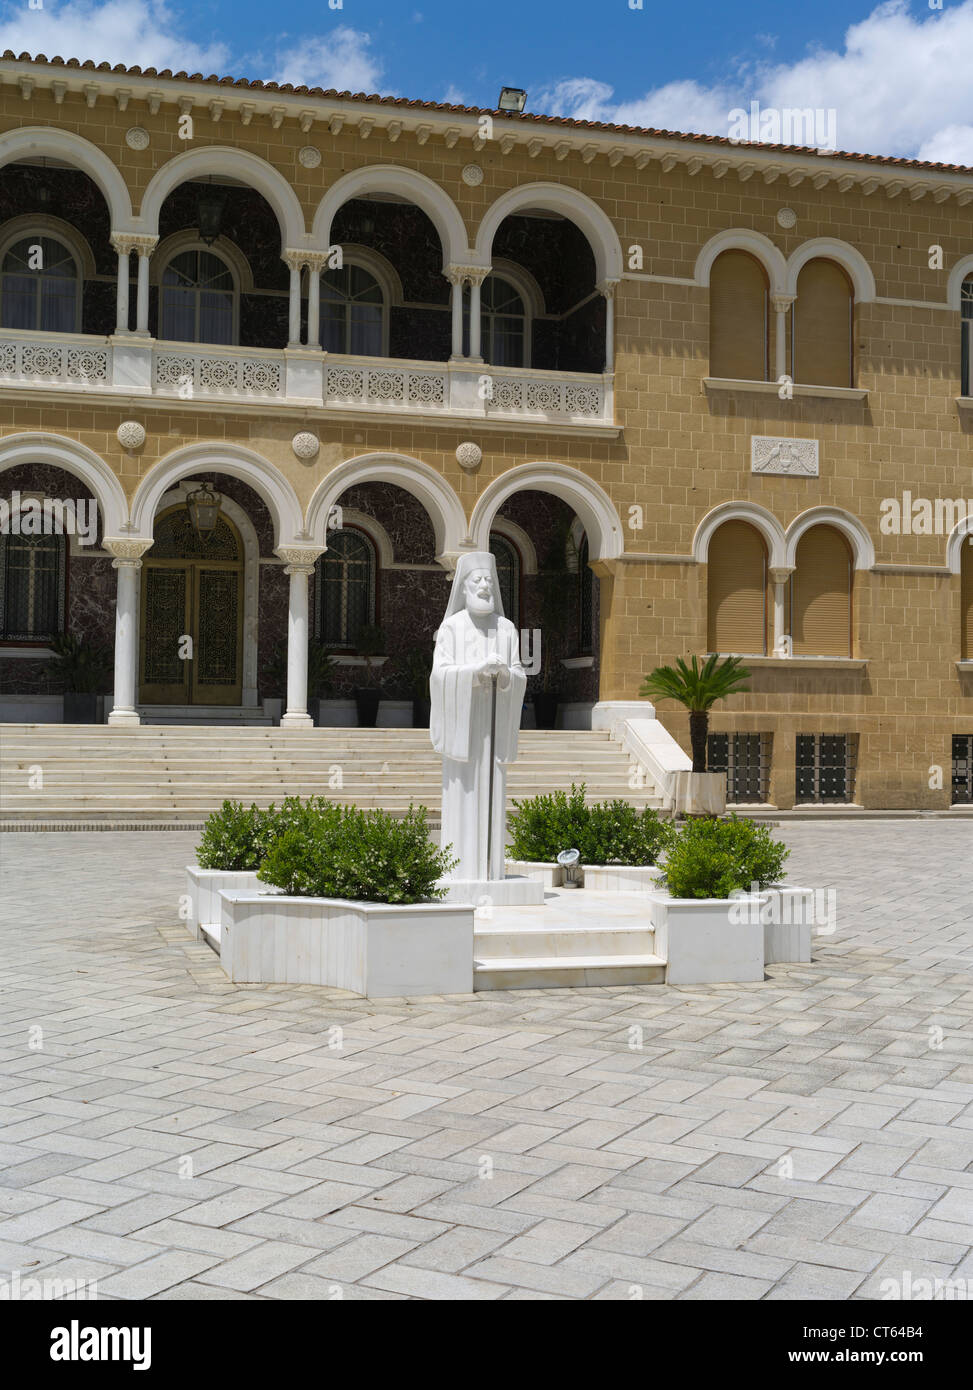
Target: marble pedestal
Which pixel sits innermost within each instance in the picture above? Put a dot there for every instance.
(501, 892)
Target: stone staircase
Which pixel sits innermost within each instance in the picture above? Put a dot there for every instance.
(70, 774)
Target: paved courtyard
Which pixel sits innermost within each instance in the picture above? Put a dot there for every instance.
(173, 1136)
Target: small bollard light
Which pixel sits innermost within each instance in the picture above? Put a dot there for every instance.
(568, 860)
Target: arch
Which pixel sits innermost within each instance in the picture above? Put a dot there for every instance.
(765, 522)
(52, 143)
(378, 266)
(376, 533)
(739, 239)
(251, 580)
(248, 168)
(94, 472)
(27, 223)
(238, 462)
(414, 187)
(954, 286)
(592, 220)
(854, 531)
(189, 240)
(960, 534)
(589, 500)
(519, 537)
(429, 487)
(828, 249)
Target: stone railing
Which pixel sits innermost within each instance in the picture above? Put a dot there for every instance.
(48, 359)
(460, 390)
(241, 373)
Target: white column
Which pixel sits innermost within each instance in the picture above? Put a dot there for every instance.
(782, 302)
(782, 641)
(127, 564)
(142, 300)
(607, 288)
(299, 566)
(294, 304)
(124, 249)
(315, 264)
(457, 282)
(476, 281)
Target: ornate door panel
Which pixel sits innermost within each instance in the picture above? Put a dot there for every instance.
(192, 588)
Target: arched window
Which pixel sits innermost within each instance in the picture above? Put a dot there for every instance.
(32, 587)
(820, 593)
(508, 573)
(738, 318)
(737, 606)
(353, 312)
(823, 314)
(40, 286)
(197, 299)
(966, 304)
(585, 614)
(346, 589)
(966, 588)
(503, 319)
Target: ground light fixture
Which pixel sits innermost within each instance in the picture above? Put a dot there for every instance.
(203, 505)
(568, 860)
(512, 99)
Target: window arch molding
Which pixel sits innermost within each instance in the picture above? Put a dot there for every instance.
(24, 225)
(828, 249)
(739, 239)
(765, 522)
(577, 207)
(246, 168)
(28, 142)
(518, 537)
(854, 532)
(961, 533)
(409, 184)
(354, 520)
(954, 286)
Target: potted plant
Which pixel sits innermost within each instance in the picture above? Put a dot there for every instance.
(418, 669)
(698, 688)
(83, 669)
(371, 644)
(320, 680)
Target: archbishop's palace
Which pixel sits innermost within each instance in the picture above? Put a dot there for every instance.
(291, 352)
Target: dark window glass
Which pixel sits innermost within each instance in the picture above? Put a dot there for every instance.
(196, 299)
(352, 312)
(39, 287)
(508, 574)
(346, 589)
(32, 582)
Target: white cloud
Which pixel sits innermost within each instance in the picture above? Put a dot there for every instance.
(342, 60)
(143, 33)
(897, 88)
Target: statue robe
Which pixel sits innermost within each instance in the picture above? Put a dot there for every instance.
(460, 730)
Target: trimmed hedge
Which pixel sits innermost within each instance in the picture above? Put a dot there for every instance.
(713, 858)
(238, 837)
(609, 832)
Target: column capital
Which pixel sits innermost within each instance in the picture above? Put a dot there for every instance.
(782, 302)
(315, 260)
(466, 274)
(127, 242)
(298, 559)
(294, 260)
(128, 551)
(781, 573)
(607, 288)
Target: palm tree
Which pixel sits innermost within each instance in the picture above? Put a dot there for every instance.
(698, 688)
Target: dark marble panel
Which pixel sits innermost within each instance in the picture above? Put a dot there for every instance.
(405, 236)
(72, 196)
(555, 252)
(423, 335)
(248, 221)
(251, 502)
(401, 515)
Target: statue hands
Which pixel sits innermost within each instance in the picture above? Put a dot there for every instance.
(493, 666)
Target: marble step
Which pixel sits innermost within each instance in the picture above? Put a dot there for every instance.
(567, 972)
(558, 942)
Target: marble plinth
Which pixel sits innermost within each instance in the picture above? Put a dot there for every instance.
(498, 892)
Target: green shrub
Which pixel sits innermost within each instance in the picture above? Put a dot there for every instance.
(714, 858)
(610, 832)
(367, 856)
(238, 837)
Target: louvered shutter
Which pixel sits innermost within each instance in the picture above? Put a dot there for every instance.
(737, 590)
(822, 326)
(967, 600)
(738, 318)
(821, 594)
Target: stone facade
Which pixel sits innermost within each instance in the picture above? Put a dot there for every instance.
(678, 445)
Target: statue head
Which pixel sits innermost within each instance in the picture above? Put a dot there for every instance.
(478, 591)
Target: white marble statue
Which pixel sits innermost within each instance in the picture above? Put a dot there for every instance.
(477, 691)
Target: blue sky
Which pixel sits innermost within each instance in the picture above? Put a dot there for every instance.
(894, 73)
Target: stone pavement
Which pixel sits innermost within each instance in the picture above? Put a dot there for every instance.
(173, 1136)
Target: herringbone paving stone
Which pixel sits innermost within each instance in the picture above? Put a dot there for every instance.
(174, 1136)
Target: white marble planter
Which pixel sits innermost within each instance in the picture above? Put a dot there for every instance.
(702, 793)
(709, 940)
(787, 920)
(375, 949)
(203, 890)
(550, 875)
(621, 878)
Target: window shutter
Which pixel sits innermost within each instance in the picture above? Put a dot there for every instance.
(822, 326)
(737, 590)
(966, 584)
(821, 594)
(738, 318)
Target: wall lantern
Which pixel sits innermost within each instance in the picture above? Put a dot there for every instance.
(209, 212)
(203, 506)
(512, 99)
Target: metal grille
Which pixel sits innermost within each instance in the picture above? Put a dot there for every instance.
(825, 768)
(31, 587)
(585, 618)
(347, 589)
(745, 758)
(165, 623)
(962, 769)
(176, 538)
(216, 648)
